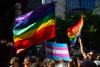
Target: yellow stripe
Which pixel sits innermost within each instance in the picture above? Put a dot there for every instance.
(32, 32)
(24, 36)
(50, 22)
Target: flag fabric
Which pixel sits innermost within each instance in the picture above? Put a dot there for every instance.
(23, 18)
(57, 51)
(40, 26)
(74, 31)
(36, 15)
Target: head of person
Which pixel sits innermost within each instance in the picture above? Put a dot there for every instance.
(27, 62)
(98, 58)
(14, 62)
(91, 55)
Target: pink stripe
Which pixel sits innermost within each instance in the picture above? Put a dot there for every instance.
(57, 48)
(59, 55)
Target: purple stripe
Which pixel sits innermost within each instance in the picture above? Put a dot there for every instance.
(37, 15)
(57, 48)
(23, 17)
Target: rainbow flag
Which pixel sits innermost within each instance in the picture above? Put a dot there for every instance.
(39, 25)
(74, 31)
(57, 51)
(23, 18)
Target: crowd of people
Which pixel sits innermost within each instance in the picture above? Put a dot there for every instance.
(7, 51)
(84, 60)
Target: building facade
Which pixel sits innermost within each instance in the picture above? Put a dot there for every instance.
(60, 7)
(97, 7)
(80, 5)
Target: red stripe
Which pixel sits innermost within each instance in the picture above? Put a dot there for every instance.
(43, 34)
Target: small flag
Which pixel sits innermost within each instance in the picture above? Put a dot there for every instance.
(74, 31)
(57, 51)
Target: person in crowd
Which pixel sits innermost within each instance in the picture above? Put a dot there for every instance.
(34, 63)
(50, 63)
(27, 62)
(97, 61)
(59, 63)
(14, 62)
(6, 53)
(7, 18)
(74, 62)
(88, 57)
(80, 59)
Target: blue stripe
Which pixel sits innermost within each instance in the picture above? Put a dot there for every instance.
(56, 58)
(38, 15)
(56, 44)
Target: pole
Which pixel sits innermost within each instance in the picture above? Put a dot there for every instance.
(46, 53)
(45, 48)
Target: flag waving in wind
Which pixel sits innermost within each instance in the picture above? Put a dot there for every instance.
(35, 27)
(57, 51)
(74, 31)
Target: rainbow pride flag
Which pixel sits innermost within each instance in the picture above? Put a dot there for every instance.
(57, 51)
(23, 18)
(38, 26)
(74, 31)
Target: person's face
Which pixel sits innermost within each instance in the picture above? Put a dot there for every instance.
(98, 58)
(91, 55)
(26, 62)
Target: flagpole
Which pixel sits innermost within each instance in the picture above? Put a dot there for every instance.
(45, 51)
(45, 48)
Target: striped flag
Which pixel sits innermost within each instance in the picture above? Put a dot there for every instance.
(57, 51)
(23, 18)
(35, 27)
(74, 31)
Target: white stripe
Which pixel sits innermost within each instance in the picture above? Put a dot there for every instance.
(57, 51)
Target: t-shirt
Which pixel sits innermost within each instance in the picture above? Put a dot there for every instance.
(97, 62)
(88, 63)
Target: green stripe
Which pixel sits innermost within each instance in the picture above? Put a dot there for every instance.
(32, 26)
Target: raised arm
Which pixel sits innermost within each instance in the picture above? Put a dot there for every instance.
(82, 48)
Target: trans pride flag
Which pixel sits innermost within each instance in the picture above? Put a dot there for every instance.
(74, 31)
(35, 27)
(57, 51)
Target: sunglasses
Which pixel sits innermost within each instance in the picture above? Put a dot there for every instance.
(90, 54)
(11, 65)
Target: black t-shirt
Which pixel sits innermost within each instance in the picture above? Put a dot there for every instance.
(88, 63)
